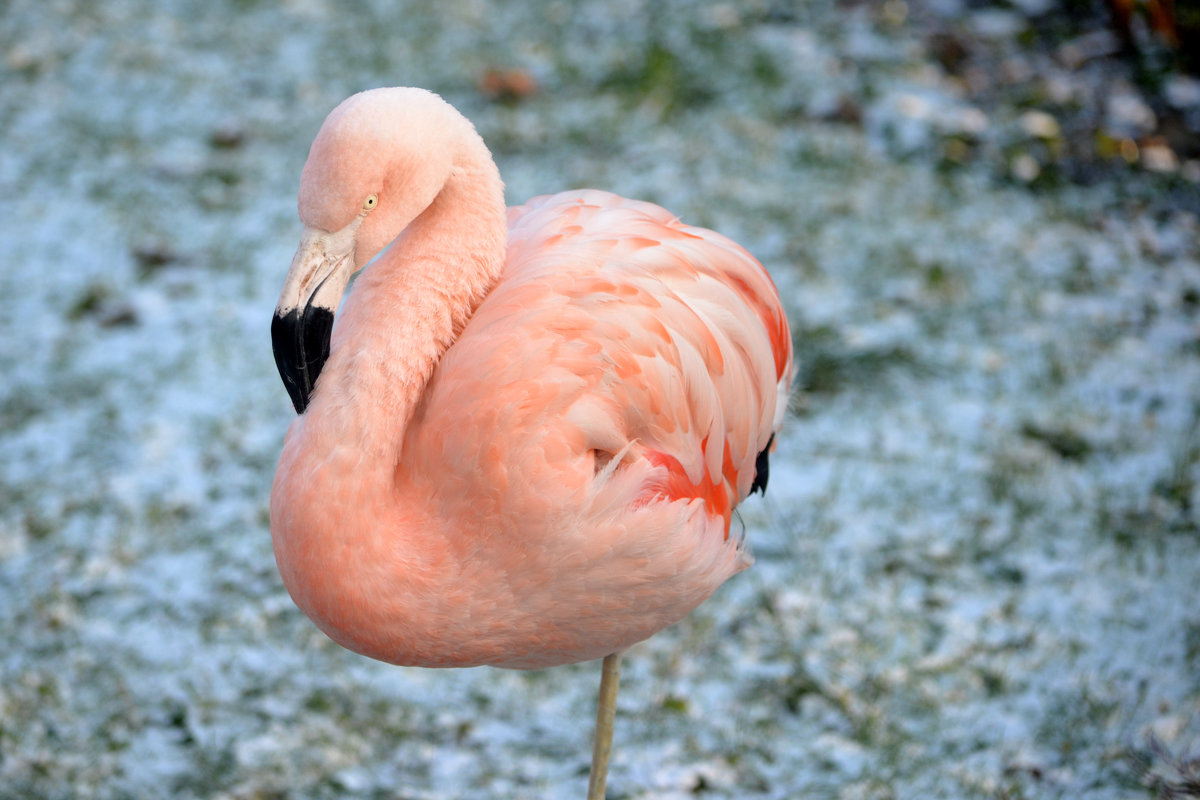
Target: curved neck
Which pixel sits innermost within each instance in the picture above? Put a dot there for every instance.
(407, 308)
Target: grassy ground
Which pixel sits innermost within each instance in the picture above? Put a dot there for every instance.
(979, 561)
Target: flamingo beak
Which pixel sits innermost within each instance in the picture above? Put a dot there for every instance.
(303, 321)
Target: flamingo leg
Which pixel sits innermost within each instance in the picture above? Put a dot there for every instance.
(606, 709)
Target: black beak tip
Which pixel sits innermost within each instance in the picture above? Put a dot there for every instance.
(301, 346)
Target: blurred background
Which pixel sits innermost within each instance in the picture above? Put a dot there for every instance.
(978, 565)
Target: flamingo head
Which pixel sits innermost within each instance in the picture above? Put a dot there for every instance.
(378, 162)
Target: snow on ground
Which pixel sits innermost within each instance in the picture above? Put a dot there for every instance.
(978, 562)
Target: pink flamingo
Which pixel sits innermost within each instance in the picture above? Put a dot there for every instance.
(530, 427)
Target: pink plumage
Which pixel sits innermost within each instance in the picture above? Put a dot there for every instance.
(532, 425)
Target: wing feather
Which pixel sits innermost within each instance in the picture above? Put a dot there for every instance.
(617, 328)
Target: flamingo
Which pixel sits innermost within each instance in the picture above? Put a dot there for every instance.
(522, 442)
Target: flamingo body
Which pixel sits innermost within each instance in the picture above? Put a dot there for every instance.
(532, 427)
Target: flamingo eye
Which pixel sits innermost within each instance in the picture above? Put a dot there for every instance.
(370, 202)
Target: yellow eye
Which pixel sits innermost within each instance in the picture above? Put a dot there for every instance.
(370, 202)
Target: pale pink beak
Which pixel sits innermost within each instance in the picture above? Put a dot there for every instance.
(303, 320)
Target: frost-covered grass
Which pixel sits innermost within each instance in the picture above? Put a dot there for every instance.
(979, 560)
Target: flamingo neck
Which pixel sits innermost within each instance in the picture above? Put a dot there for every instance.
(408, 307)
